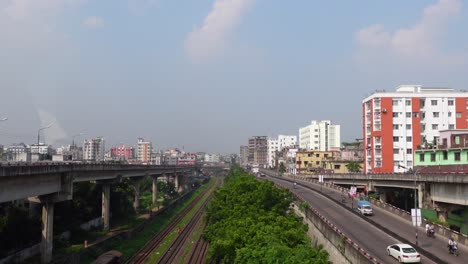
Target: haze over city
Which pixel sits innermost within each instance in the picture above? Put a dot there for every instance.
(205, 75)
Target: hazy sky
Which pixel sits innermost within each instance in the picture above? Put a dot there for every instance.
(207, 74)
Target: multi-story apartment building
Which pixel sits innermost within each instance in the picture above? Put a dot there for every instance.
(272, 148)
(122, 152)
(144, 151)
(320, 135)
(277, 144)
(41, 149)
(450, 156)
(244, 155)
(211, 158)
(258, 151)
(314, 161)
(19, 152)
(189, 159)
(94, 149)
(395, 124)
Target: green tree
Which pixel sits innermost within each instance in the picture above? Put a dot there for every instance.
(249, 221)
(354, 166)
(282, 168)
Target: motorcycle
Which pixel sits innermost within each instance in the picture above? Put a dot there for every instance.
(453, 249)
(430, 233)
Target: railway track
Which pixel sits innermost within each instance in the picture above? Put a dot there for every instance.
(145, 252)
(198, 252)
(178, 246)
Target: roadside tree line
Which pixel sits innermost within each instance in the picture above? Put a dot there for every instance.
(250, 221)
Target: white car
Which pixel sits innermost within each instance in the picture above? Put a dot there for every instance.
(404, 253)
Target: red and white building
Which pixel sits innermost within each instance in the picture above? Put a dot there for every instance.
(395, 124)
(123, 152)
(187, 159)
(144, 150)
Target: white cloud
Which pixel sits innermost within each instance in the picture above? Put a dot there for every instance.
(420, 43)
(94, 22)
(208, 41)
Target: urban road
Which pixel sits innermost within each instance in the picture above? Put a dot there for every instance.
(367, 233)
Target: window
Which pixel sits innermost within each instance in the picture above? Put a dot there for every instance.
(457, 139)
(395, 127)
(317, 155)
(408, 114)
(395, 139)
(449, 114)
(305, 163)
(458, 115)
(408, 139)
(408, 102)
(435, 114)
(452, 126)
(378, 164)
(394, 102)
(450, 102)
(415, 114)
(396, 151)
(408, 126)
(316, 136)
(396, 163)
(433, 102)
(409, 164)
(409, 151)
(337, 166)
(421, 157)
(395, 114)
(317, 163)
(435, 126)
(433, 157)
(445, 155)
(457, 156)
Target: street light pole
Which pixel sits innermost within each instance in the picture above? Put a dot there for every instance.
(415, 203)
(39, 135)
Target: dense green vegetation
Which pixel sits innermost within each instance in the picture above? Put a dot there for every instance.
(249, 221)
(130, 246)
(18, 230)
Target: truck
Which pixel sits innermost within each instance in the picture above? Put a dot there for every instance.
(365, 207)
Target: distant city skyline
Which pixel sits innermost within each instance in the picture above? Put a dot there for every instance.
(207, 75)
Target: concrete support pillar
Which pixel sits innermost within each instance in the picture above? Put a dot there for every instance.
(47, 232)
(176, 182)
(420, 196)
(105, 211)
(383, 195)
(155, 189)
(136, 201)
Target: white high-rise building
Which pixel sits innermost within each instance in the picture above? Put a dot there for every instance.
(277, 144)
(211, 158)
(94, 149)
(272, 147)
(322, 136)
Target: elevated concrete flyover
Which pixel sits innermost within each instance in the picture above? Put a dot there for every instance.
(449, 188)
(23, 181)
(48, 184)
